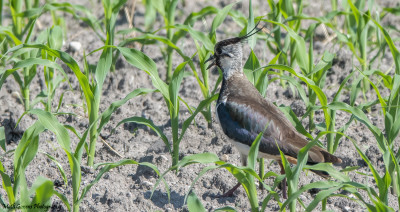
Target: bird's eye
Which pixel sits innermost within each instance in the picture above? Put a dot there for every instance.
(227, 54)
(218, 50)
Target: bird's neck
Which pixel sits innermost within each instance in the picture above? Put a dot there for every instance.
(230, 72)
(230, 79)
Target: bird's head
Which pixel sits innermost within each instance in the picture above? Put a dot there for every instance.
(228, 54)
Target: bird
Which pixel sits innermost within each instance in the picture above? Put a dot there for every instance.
(243, 113)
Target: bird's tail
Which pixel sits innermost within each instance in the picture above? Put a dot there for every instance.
(328, 158)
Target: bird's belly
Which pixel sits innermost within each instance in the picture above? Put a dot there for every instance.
(244, 150)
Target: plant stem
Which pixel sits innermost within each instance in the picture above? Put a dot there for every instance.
(175, 139)
(330, 136)
(25, 89)
(170, 22)
(76, 208)
(252, 193)
(261, 171)
(93, 131)
(169, 65)
(175, 153)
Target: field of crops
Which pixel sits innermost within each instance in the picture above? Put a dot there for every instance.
(107, 105)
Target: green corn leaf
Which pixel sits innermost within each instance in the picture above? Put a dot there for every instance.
(199, 175)
(293, 82)
(160, 7)
(342, 85)
(262, 79)
(69, 61)
(3, 139)
(27, 148)
(387, 79)
(324, 64)
(192, 17)
(198, 35)
(332, 171)
(50, 122)
(6, 182)
(250, 66)
(149, 15)
(28, 63)
(47, 120)
(393, 49)
(250, 188)
(380, 181)
(320, 196)
(253, 152)
(23, 155)
(360, 115)
(199, 108)
(319, 185)
(219, 18)
(76, 176)
(226, 209)
(143, 62)
(107, 167)
(291, 116)
(106, 115)
(149, 123)
(301, 53)
(194, 204)
(103, 67)
(8, 31)
(350, 168)
(63, 198)
(250, 26)
(56, 37)
(202, 158)
(43, 189)
(59, 166)
(174, 87)
(320, 94)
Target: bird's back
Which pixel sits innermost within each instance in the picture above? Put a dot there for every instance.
(242, 104)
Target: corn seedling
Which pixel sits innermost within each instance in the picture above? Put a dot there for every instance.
(172, 100)
(245, 175)
(21, 30)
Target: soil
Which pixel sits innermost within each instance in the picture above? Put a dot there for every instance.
(128, 188)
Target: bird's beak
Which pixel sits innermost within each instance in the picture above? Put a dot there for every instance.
(212, 61)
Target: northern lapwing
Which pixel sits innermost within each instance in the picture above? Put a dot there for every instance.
(243, 113)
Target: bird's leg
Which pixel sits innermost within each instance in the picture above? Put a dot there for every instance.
(243, 159)
(283, 183)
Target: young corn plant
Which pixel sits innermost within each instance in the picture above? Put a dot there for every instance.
(17, 190)
(280, 11)
(180, 30)
(361, 37)
(19, 32)
(166, 9)
(245, 175)
(172, 100)
(111, 10)
(28, 148)
(314, 76)
(93, 90)
(53, 80)
(378, 199)
(53, 38)
(90, 91)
